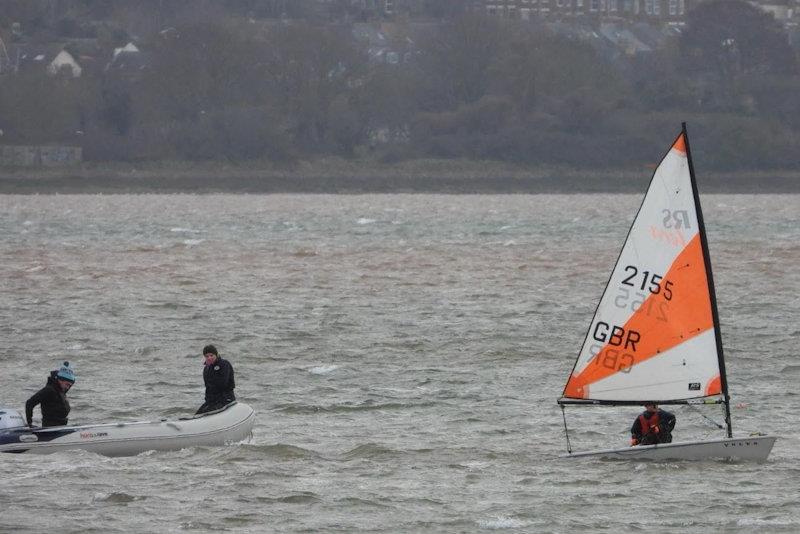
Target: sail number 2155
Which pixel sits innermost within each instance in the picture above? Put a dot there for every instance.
(653, 282)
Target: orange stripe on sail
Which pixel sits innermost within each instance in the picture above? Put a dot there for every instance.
(714, 386)
(688, 314)
(680, 144)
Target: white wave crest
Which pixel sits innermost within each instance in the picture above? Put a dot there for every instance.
(499, 523)
(323, 369)
(758, 522)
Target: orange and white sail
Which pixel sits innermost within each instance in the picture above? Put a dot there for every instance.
(654, 336)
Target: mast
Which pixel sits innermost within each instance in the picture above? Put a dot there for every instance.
(710, 277)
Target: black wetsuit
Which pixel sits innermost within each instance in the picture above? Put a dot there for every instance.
(219, 385)
(53, 401)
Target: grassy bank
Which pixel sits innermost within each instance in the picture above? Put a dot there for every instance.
(336, 175)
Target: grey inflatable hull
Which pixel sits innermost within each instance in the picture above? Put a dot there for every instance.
(230, 424)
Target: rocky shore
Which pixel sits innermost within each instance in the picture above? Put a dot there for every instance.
(337, 176)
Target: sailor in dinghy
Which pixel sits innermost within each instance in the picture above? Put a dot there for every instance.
(655, 334)
(652, 426)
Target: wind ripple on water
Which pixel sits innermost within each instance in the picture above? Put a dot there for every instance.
(403, 354)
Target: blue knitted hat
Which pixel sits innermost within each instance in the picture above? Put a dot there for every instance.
(66, 373)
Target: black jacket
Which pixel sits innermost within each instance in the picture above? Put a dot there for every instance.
(53, 401)
(219, 381)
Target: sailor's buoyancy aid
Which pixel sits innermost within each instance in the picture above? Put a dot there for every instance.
(647, 423)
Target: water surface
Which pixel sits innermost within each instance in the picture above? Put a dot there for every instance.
(403, 353)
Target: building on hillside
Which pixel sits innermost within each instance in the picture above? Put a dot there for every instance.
(127, 62)
(623, 39)
(388, 42)
(64, 64)
(52, 59)
(40, 155)
(88, 53)
(631, 10)
(74, 57)
(580, 31)
(784, 11)
(6, 66)
(371, 10)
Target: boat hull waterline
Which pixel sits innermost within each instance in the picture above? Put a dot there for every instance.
(755, 448)
(231, 424)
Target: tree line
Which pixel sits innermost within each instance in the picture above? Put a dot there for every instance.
(475, 87)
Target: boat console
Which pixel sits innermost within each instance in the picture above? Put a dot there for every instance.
(10, 419)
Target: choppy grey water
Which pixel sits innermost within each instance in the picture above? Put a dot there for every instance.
(403, 352)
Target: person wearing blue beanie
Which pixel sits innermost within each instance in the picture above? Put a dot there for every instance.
(52, 398)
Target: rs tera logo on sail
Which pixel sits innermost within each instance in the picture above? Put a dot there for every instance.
(672, 226)
(676, 219)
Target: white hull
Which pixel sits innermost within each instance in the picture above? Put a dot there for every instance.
(231, 424)
(752, 448)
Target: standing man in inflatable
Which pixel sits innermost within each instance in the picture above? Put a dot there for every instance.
(218, 377)
(52, 398)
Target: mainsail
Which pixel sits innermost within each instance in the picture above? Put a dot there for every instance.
(655, 333)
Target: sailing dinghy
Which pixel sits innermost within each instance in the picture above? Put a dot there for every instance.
(655, 335)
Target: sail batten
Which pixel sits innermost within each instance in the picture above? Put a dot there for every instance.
(655, 332)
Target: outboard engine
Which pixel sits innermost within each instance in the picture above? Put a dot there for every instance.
(10, 419)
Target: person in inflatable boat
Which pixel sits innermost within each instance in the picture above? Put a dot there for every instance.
(218, 377)
(652, 426)
(52, 398)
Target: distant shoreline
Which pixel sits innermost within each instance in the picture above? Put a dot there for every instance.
(337, 176)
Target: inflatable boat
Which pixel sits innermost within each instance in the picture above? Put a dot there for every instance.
(232, 423)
